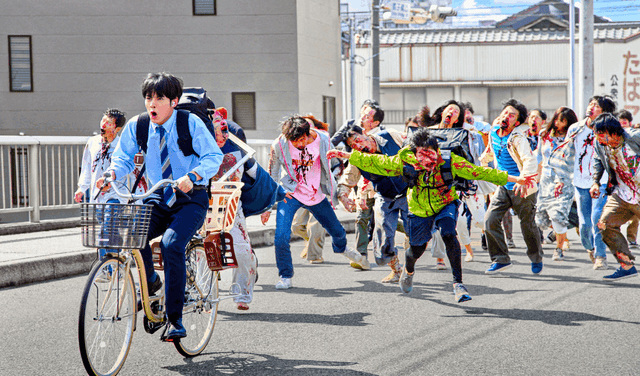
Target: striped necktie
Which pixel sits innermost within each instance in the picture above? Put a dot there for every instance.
(167, 173)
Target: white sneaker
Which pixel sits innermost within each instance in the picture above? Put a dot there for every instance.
(283, 284)
(469, 257)
(356, 257)
(600, 264)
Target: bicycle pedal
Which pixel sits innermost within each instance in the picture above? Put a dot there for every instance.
(152, 327)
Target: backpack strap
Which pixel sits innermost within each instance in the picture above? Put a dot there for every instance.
(185, 141)
(142, 131)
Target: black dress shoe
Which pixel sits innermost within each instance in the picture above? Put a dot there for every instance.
(154, 287)
(176, 331)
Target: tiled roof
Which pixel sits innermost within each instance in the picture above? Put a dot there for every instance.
(618, 32)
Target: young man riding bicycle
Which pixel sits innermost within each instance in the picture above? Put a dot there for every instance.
(176, 215)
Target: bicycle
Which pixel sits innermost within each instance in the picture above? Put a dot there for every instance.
(109, 305)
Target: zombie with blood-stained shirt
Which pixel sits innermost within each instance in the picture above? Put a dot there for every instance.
(301, 151)
(618, 152)
(433, 203)
(580, 136)
(556, 192)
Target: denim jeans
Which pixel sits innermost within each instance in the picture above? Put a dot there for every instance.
(103, 251)
(589, 212)
(387, 211)
(177, 224)
(324, 214)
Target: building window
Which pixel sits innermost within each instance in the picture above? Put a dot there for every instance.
(329, 112)
(20, 63)
(244, 109)
(204, 7)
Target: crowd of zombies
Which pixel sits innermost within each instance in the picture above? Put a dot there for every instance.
(553, 172)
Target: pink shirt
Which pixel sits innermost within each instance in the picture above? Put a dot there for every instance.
(307, 169)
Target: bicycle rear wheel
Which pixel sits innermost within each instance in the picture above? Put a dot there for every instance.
(201, 303)
(107, 317)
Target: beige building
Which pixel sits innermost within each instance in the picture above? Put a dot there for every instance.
(67, 61)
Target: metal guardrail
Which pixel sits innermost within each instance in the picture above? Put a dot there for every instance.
(41, 172)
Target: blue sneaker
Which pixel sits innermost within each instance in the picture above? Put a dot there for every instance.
(462, 295)
(497, 267)
(536, 267)
(621, 274)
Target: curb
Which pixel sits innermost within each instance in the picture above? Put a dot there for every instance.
(34, 270)
(22, 228)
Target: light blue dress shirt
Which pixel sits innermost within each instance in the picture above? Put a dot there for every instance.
(206, 165)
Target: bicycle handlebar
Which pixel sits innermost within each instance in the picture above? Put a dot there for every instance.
(148, 193)
(249, 153)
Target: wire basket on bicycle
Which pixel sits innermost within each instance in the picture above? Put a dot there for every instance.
(114, 226)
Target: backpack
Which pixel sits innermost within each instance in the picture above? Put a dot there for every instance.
(453, 140)
(450, 140)
(193, 100)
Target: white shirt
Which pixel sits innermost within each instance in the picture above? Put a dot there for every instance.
(95, 162)
(583, 167)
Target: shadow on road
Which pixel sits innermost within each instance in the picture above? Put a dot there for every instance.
(345, 319)
(233, 363)
(564, 318)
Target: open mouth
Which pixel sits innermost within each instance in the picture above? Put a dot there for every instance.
(153, 114)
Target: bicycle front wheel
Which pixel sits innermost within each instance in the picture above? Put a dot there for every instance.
(201, 303)
(107, 317)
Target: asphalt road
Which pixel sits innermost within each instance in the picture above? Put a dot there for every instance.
(341, 321)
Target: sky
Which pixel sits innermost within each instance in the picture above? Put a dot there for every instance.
(473, 10)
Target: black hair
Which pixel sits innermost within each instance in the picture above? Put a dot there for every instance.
(561, 113)
(519, 106)
(119, 117)
(162, 84)
(423, 118)
(423, 138)
(468, 106)
(543, 115)
(437, 114)
(354, 130)
(605, 102)
(607, 123)
(369, 103)
(624, 114)
(294, 127)
(379, 112)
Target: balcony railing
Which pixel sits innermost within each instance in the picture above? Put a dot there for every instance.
(41, 172)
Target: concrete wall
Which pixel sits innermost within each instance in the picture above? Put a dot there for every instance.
(319, 55)
(90, 55)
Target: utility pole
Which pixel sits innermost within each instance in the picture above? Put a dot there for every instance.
(352, 59)
(572, 56)
(375, 50)
(586, 55)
